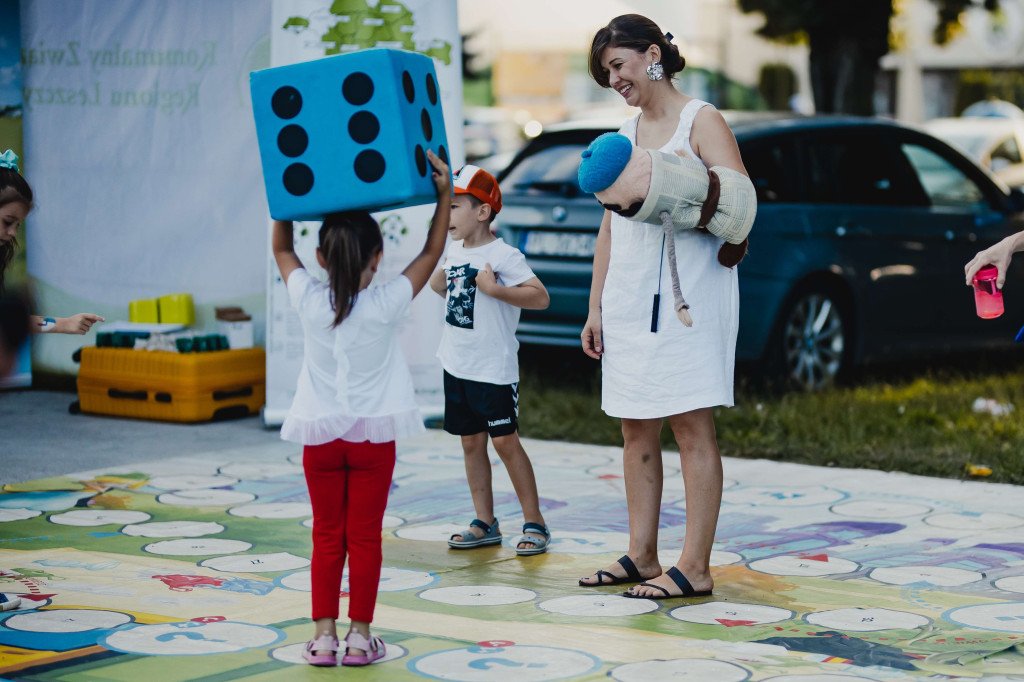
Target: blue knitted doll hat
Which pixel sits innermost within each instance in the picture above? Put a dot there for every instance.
(603, 161)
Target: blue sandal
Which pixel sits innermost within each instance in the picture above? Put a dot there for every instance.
(681, 582)
(540, 545)
(491, 536)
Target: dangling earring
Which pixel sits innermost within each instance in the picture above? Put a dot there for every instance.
(655, 71)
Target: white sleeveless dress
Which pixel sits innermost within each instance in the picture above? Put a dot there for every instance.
(677, 369)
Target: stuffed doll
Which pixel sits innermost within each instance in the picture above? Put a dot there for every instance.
(672, 190)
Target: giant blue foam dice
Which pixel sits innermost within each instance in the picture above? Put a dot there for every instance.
(348, 132)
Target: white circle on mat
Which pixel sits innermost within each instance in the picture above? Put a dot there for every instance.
(191, 638)
(1004, 617)
(173, 529)
(432, 458)
(598, 606)
(273, 510)
(478, 595)
(822, 677)
(879, 509)
(1012, 583)
(205, 498)
(867, 620)
(308, 523)
(807, 567)
(576, 461)
(400, 579)
(296, 459)
(197, 547)
(259, 472)
(389, 521)
(18, 514)
(779, 496)
(300, 581)
(730, 614)
(509, 664)
(293, 653)
(972, 521)
(669, 557)
(99, 517)
(191, 482)
(940, 576)
(680, 669)
(588, 543)
(256, 563)
(66, 620)
(435, 532)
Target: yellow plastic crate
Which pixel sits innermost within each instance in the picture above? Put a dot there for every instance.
(178, 387)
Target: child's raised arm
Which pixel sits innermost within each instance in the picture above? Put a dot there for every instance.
(420, 269)
(283, 245)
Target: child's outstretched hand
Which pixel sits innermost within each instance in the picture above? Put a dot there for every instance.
(77, 324)
(442, 175)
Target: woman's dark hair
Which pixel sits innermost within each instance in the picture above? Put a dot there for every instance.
(348, 241)
(636, 32)
(13, 188)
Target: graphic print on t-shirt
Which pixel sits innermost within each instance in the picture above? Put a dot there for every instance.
(461, 295)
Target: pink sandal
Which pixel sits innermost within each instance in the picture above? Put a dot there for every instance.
(373, 647)
(322, 643)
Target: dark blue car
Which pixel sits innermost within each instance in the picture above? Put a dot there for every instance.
(857, 253)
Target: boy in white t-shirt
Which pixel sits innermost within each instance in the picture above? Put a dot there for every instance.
(485, 283)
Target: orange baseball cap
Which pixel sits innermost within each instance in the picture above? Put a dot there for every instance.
(479, 183)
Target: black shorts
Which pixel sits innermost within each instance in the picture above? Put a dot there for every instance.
(472, 407)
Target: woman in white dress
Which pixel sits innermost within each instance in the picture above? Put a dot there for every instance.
(653, 367)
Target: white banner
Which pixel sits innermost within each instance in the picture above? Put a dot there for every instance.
(305, 30)
(143, 157)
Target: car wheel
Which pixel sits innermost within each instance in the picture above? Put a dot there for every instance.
(813, 340)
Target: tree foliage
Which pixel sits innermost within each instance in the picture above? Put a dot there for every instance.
(846, 40)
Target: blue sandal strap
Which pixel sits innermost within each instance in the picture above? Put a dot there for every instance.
(531, 527)
(680, 580)
(631, 571)
(485, 527)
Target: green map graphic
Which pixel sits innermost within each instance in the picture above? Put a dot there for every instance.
(360, 25)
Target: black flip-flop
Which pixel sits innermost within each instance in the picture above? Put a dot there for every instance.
(632, 575)
(679, 579)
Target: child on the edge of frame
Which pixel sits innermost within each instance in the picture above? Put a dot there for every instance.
(15, 205)
(353, 399)
(485, 283)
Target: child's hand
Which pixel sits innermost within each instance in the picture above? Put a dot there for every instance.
(77, 324)
(441, 176)
(487, 281)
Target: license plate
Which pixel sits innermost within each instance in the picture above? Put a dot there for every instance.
(577, 244)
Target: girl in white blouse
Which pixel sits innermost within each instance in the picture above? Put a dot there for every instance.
(353, 399)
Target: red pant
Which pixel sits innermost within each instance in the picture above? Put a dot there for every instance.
(348, 486)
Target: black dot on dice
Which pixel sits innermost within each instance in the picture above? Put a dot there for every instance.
(442, 153)
(292, 140)
(410, 89)
(298, 179)
(286, 102)
(421, 161)
(369, 165)
(363, 127)
(357, 88)
(431, 89)
(428, 127)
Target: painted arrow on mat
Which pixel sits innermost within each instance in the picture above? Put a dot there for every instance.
(817, 557)
(732, 623)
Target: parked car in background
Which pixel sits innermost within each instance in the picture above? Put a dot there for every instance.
(995, 143)
(857, 252)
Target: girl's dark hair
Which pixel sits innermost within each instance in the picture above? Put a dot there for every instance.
(13, 188)
(636, 32)
(348, 241)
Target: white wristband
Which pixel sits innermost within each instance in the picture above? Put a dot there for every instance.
(47, 324)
